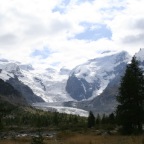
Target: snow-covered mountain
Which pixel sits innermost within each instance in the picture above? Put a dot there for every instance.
(94, 84)
(140, 58)
(107, 72)
(49, 85)
(89, 86)
(90, 79)
(36, 86)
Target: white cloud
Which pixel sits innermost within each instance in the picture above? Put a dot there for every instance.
(27, 25)
(127, 26)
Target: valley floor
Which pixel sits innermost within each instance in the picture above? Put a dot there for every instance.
(77, 138)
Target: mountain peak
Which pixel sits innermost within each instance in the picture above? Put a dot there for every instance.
(64, 71)
(90, 79)
(51, 70)
(26, 67)
(10, 67)
(3, 60)
(140, 55)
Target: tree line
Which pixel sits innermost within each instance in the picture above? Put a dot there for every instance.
(106, 122)
(12, 116)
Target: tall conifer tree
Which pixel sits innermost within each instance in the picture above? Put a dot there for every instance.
(130, 110)
(91, 120)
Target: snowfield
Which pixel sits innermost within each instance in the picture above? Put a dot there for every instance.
(49, 84)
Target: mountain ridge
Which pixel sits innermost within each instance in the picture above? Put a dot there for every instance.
(89, 86)
(91, 78)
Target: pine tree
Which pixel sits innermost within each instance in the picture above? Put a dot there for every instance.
(1, 124)
(130, 110)
(56, 118)
(111, 118)
(91, 120)
(104, 119)
(98, 119)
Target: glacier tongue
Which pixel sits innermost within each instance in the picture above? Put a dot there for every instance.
(59, 107)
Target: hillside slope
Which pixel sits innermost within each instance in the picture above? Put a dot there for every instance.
(10, 94)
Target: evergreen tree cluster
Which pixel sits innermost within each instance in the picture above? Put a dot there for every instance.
(101, 122)
(130, 110)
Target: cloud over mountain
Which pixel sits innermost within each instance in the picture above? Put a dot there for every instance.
(70, 32)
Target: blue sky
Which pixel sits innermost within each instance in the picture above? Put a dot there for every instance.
(57, 33)
(43, 54)
(94, 32)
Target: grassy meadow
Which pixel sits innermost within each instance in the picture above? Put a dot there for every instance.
(75, 138)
